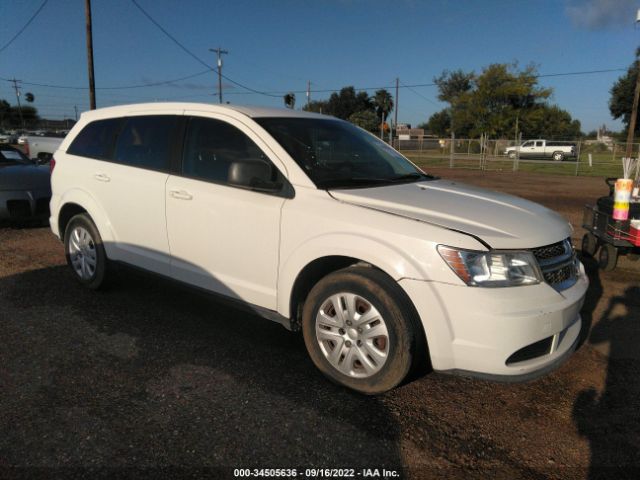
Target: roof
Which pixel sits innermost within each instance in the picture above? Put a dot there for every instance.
(250, 111)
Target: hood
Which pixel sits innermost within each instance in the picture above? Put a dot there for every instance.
(498, 219)
(24, 177)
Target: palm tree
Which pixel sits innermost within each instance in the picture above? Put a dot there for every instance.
(384, 104)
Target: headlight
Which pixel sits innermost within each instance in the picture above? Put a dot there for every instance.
(492, 269)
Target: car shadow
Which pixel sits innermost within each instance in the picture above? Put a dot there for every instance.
(610, 420)
(149, 374)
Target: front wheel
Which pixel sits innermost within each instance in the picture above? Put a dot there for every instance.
(361, 330)
(84, 251)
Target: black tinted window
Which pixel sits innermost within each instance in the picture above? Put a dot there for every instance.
(212, 146)
(96, 139)
(145, 141)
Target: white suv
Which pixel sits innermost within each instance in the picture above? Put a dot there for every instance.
(319, 225)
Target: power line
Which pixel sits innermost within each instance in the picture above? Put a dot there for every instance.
(419, 94)
(25, 26)
(123, 87)
(193, 55)
(278, 93)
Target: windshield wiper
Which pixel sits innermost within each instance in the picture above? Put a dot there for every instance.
(411, 176)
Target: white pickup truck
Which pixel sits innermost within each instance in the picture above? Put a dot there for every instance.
(39, 148)
(555, 150)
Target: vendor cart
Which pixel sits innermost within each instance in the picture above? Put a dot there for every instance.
(611, 237)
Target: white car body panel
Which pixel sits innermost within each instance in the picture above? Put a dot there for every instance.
(502, 221)
(252, 246)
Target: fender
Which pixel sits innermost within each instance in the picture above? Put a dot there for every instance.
(85, 200)
(385, 256)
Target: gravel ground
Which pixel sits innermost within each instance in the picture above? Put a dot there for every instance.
(151, 379)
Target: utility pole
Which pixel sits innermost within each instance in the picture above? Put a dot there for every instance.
(395, 114)
(634, 112)
(75, 108)
(308, 93)
(220, 52)
(92, 85)
(17, 89)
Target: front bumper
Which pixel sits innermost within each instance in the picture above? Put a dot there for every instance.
(514, 333)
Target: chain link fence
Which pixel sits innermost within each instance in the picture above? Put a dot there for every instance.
(591, 157)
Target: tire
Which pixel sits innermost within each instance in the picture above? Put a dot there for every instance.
(347, 352)
(85, 252)
(557, 156)
(608, 257)
(512, 155)
(589, 245)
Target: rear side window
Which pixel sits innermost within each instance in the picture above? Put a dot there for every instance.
(145, 142)
(96, 139)
(212, 146)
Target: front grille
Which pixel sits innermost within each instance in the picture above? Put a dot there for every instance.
(19, 208)
(557, 262)
(535, 350)
(550, 251)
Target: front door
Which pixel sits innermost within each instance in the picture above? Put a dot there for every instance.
(225, 236)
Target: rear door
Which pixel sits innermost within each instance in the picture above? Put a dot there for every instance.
(128, 179)
(224, 236)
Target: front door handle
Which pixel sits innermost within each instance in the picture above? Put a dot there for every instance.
(102, 177)
(180, 194)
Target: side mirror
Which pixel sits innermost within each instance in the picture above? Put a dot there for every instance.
(254, 174)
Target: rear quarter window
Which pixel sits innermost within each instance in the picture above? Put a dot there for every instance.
(96, 139)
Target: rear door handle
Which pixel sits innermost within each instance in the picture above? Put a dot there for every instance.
(102, 177)
(180, 194)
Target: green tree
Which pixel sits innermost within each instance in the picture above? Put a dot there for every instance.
(347, 102)
(383, 102)
(438, 124)
(317, 106)
(366, 119)
(622, 93)
(496, 102)
(5, 110)
(451, 85)
(29, 114)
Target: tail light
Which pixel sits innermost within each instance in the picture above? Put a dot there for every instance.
(52, 165)
(26, 149)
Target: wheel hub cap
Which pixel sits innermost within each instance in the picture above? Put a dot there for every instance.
(352, 335)
(82, 252)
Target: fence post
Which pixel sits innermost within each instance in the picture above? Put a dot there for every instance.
(452, 152)
(516, 159)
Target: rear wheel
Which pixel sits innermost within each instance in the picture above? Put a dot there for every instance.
(608, 257)
(558, 156)
(589, 245)
(361, 330)
(84, 251)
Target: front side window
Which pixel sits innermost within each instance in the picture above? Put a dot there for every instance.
(336, 154)
(218, 152)
(145, 142)
(96, 139)
(528, 144)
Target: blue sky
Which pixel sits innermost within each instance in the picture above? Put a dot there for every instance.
(277, 45)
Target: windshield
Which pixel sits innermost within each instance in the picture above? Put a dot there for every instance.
(13, 156)
(337, 154)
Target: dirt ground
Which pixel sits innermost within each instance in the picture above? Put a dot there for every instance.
(151, 379)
